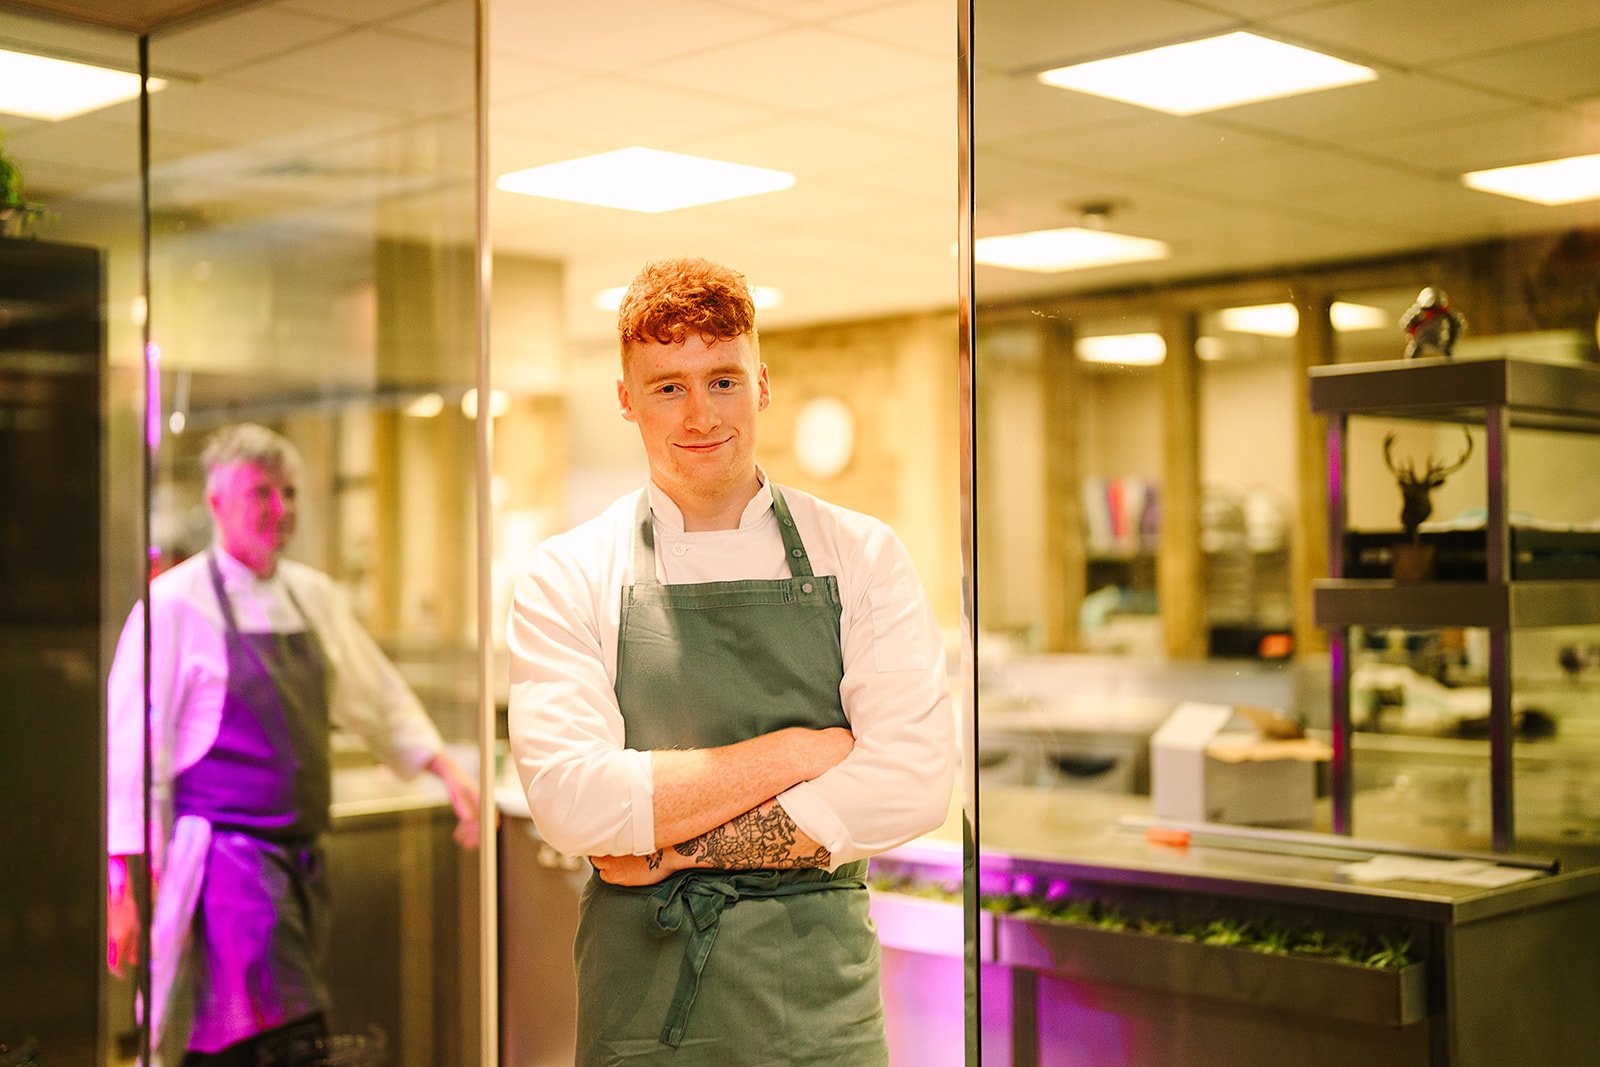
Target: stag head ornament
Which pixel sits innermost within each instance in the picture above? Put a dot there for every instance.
(1416, 488)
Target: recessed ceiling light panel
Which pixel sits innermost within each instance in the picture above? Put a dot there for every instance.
(1071, 248)
(1126, 349)
(38, 87)
(1283, 320)
(644, 179)
(1209, 74)
(1554, 181)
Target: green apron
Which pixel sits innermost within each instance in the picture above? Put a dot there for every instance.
(732, 968)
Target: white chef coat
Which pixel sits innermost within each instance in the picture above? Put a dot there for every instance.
(590, 795)
(189, 671)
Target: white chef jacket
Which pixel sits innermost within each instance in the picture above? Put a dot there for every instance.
(189, 672)
(591, 795)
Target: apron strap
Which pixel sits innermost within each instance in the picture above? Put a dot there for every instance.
(222, 594)
(644, 545)
(698, 899)
(799, 562)
(227, 605)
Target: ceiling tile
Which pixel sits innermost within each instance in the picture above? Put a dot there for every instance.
(806, 147)
(1562, 71)
(1395, 101)
(629, 113)
(361, 68)
(211, 47)
(1005, 106)
(1281, 173)
(1148, 143)
(1524, 135)
(446, 23)
(229, 113)
(69, 41)
(930, 113)
(357, 12)
(924, 25)
(924, 179)
(1420, 33)
(803, 11)
(1034, 35)
(511, 77)
(802, 70)
(585, 36)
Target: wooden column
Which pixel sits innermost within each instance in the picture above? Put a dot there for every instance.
(1308, 532)
(1066, 555)
(1180, 565)
(386, 526)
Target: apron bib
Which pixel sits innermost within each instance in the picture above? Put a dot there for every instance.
(259, 924)
(732, 968)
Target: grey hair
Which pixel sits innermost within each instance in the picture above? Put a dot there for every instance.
(248, 442)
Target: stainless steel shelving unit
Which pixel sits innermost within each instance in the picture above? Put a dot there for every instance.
(1499, 394)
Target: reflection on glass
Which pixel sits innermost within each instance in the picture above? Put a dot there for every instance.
(69, 475)
(1301, 231)
(311, 615)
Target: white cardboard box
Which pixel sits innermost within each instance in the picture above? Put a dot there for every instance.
(1208, 766)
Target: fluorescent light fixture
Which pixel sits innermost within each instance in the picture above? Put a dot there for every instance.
(1347, 317)
(644, 179)
(1210, 349)
(1127, 349)
(1283, 320)
(1209, 74)
(425, 406)
(1072, 248)
(611, 299)
(38, 87)
(1554, 181)
(499, 403)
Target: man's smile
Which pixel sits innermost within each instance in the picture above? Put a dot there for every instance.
(704, 446)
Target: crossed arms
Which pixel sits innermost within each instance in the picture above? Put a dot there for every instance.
(717, 807)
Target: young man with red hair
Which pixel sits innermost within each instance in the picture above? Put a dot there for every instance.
(728, 694)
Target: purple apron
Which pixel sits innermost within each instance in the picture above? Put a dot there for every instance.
(260, 920)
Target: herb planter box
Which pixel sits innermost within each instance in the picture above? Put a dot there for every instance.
(1307, 985)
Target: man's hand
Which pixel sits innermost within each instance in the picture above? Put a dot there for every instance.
(463, 798)
(636, 870)
(122, 919)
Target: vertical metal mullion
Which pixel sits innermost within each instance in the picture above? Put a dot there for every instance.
(152, 420)
(488, 865)
(1342, 783)
(1497, 572)
(967, 399)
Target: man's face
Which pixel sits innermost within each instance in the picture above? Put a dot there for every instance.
(254, 509)
(695, 404)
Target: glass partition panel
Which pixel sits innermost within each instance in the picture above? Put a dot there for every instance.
(851, 104)
(70, 463)
(1377, 349)
(313, 636)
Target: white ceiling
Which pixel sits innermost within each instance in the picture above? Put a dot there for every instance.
(366, 104)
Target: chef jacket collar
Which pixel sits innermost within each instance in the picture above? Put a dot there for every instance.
(670, 517)
(236, 575)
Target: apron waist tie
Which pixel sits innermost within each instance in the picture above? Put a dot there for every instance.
(700, 898)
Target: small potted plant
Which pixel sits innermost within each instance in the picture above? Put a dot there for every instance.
(16, 213)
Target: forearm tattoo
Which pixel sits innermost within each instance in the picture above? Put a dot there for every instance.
(761, 837)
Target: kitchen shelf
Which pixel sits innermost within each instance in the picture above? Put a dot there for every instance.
(1548, 396)
(1499, 394)
(1377, 602)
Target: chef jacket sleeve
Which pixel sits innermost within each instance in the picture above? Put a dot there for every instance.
(587, 792)
(896, 783)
